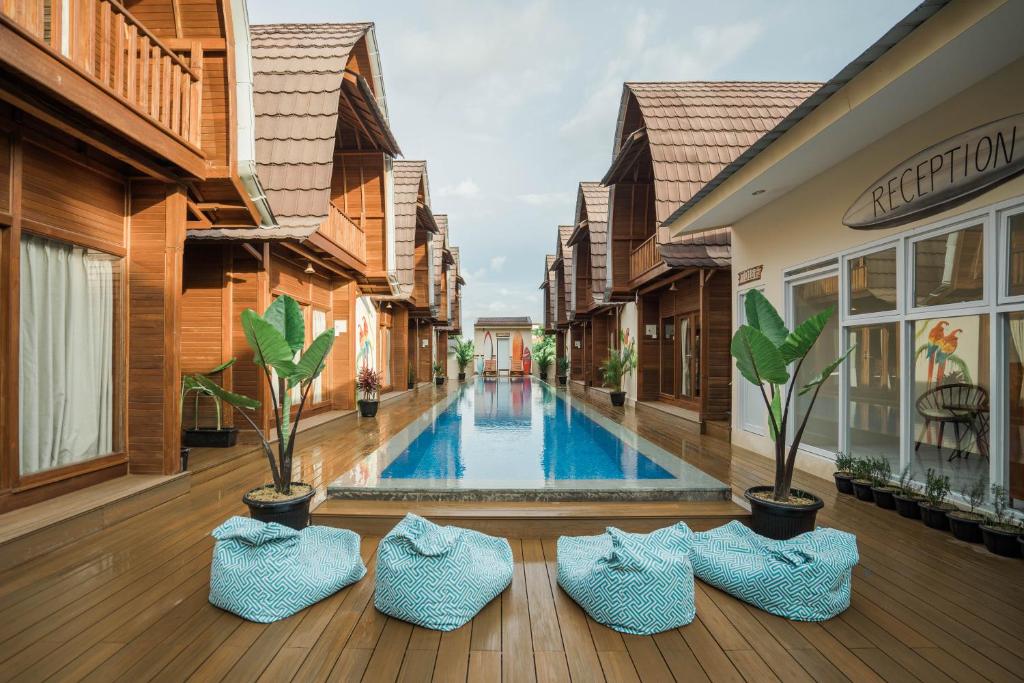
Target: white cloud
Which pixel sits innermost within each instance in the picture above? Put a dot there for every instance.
(547, 198)
(464, 188)
(497, 263)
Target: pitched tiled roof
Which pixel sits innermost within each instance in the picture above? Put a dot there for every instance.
(298, 71)
(407, 175)
(440, 244)
(549, 259)
(695, 129)
(709, 249)
(524, 321)
(592, 206)
(563, 254)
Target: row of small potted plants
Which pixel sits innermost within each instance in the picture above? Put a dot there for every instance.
(870, 479)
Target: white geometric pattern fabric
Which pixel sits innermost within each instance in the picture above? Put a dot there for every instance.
(806, 578)
(264, 572)
(633, 583)
(439, 577)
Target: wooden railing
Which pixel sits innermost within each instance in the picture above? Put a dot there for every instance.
(644, 258)
(343, 232)
(122, 56)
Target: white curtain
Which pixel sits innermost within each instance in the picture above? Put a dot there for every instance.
(1017, 333)
(66, 354)
(319, 327)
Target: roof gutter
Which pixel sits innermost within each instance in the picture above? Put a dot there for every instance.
(246, 118)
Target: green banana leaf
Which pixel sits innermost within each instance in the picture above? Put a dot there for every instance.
(826, 373)
(312, 362)
(236, 400)
(222, 367)
(762, 316)
(268, 344)
(800, 340)
(285, 315)
(757, 358)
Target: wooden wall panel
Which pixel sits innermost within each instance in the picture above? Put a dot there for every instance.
(648, 349)
(717, 336)
(287, 278)
(204, 329)
(600, 326)
(5, 172)
(215, 124)
(358, 190)
(633, 221)
(425, 354)
(576, 360)
(247, 280)
(90, 210)
(154, 306)
(343, 389)
(399, 346)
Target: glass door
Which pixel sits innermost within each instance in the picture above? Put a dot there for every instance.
(668, 355)
(689, 343)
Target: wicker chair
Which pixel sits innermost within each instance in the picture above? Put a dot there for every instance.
(490, 367)
(965, 406)
(516, 368)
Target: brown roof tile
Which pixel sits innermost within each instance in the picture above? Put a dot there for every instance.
(694, 129)
(409, 179)
(592, 206)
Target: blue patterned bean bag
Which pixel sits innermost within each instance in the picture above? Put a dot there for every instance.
(439, 576)
(265, 572)
(633, 583)
(806, 578)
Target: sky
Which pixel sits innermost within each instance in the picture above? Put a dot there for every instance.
(512, 104)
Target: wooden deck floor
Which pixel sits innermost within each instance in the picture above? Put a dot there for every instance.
(130, 603)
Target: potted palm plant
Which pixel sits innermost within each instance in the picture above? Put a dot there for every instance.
(934, 506)
(463, 355)
(908, 498)
(368, 383)
(966, 524)
(619, 364)
(998, 532)
(844, 472)
(563, 370)
(438, 374)
(217, 436)
(543, 355)
(764, 349)
(275, 338)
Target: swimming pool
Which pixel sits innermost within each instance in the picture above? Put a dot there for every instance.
(521, 439)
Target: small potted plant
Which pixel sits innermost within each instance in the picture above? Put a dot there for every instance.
(544, 355)
(463, 355)
(844, 472)
(368, 383)
(934, 507)
(908, 498)
(862, 469)
(411, 377)
(765, 350)
(195, 436)
(275, 338)
(438, 374)
(563, 370)
(619, 364)
(998, 532)
(881, 488)
(966, 524)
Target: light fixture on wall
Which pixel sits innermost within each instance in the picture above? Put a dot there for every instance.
(388, 306)
(309, 268)
(672, 287)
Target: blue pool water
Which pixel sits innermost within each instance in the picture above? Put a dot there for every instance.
(517, 431)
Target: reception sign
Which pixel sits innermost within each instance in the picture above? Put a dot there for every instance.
(945, 174)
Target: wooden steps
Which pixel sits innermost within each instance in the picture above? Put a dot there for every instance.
(528, 520)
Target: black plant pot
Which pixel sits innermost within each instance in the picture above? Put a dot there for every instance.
(368, 408)
(909, 507)
(213, 438)
(439, 381)
(293, 513)
(462, 377)
(884, 497)
(934, 516)
(781, 521)
(862, 489)
(184, 458)
(964, 528)
(1000, 542)
(412, 385)
(844, 482)
(618, 398)
(561, 380)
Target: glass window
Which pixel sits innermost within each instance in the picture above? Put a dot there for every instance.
(809, 299)
(950, 402)
(874, 396)
(753, 413)
(319, 327)
(1016, 267)
(1014, 331)
(68, 362)
(949, 268)
(872, 280)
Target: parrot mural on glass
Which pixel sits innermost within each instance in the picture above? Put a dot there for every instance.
(935, 337)
(946, 348)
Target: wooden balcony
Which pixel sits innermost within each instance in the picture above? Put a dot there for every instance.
(644, 258)
(99, 43)
(347, 236)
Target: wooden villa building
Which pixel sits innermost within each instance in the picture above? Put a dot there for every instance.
(593, 323)
(561, 266)
(672, 138)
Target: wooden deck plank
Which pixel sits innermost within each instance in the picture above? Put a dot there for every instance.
(130, 602)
